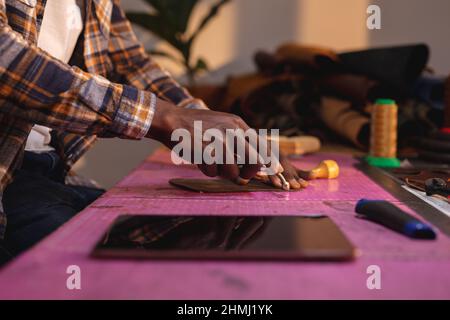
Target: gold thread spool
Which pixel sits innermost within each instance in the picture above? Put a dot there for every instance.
(383, 137)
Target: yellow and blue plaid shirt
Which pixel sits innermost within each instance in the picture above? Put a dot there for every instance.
(78, 104)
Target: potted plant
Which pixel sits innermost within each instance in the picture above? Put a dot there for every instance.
(169, 21)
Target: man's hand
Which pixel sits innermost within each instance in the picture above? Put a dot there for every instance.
(168, 118)
(290, 173)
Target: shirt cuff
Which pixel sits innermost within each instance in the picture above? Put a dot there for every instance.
(194, 104)
(135, 113)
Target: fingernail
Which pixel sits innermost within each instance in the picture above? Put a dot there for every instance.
(261, 174)
(303, 183)
(294, 184)
(277, 183)
(242, 181)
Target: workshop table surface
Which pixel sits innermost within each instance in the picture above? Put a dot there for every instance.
(409, 268)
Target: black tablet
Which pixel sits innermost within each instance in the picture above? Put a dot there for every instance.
(224, 237)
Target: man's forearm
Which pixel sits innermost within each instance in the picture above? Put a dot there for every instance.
(40, 89)
(139, 69)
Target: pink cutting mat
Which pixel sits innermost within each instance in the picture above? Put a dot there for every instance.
(409, 268)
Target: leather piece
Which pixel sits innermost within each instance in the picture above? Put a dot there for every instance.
(340, 117)
(294, 57)
(416, 178)
(221, 185)
(396, 66)
(355, 88)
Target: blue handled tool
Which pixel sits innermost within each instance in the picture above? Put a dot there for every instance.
(385, 213)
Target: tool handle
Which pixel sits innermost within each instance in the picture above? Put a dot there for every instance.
(387, 214)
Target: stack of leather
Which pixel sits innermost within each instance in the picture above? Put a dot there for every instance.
(436, 147)
(317, 91)
(447, 106)
(435, 182)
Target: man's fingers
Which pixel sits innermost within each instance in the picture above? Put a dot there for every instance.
(249, 171)
(263, 178)
(244, 152)
(276, 182)
(253, 162)
(303, 183)
(290, 178)
(231, 172)
(294, 183)
(209, 170)
(305, 175)
(241, 181)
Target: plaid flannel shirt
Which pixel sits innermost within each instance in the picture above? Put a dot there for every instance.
(77, 104)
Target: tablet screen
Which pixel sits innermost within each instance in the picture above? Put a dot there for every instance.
(224, 237)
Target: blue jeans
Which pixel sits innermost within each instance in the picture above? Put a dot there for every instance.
(37, 202)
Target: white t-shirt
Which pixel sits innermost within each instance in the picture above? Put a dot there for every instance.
(61, 26)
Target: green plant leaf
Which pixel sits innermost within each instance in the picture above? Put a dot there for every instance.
(182, 11)
(156, 25)
(201, 65)
(213, 11)
(169, 21)
(175, 12)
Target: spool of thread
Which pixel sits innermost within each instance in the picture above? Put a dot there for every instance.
(383, 135)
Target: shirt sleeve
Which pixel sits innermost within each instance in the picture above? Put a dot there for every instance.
(38, 88)
(133, 63)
